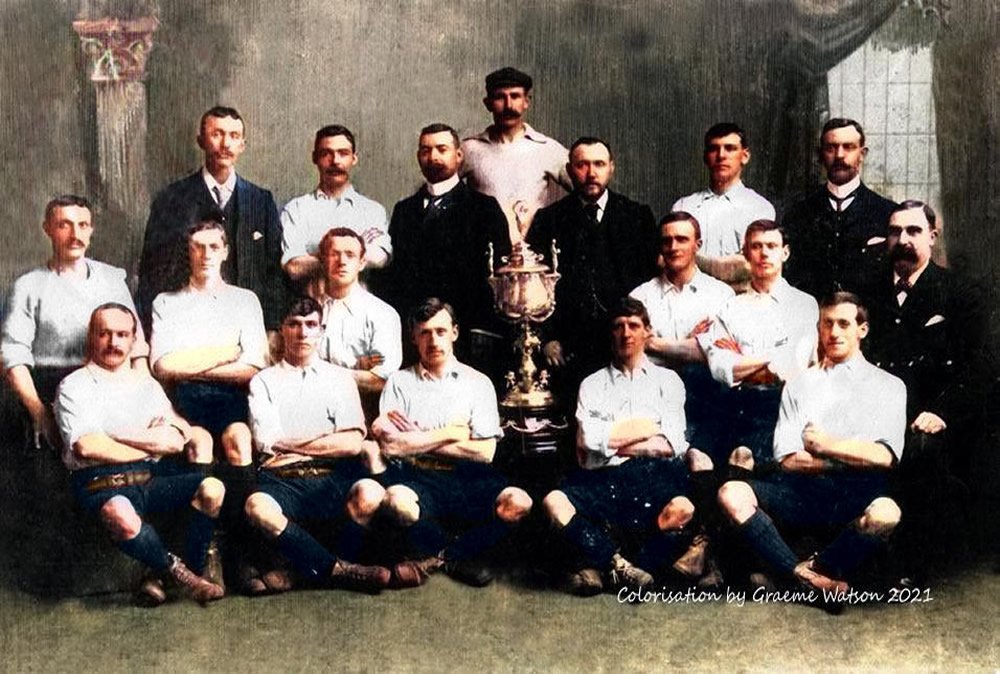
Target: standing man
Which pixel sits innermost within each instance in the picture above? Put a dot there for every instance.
(120, 435)
(45, 329)
(438, 429)
(726, 208)
(334, 203)
(608, 246)
(839, 435)
(307, 430)
(838, 231)
(930, 329)
(248, 213)
(361, 333)
(510, 161)
(634, 462)
(440, 238)
(681, 302)
(758, 341)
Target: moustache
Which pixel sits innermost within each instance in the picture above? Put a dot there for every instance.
(903, 254)
(113, 351)
(510, 114)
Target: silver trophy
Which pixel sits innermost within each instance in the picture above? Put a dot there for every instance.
(524, 293)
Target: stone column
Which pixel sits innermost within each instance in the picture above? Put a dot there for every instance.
(116, 52)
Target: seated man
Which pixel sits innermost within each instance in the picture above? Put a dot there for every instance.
(630, 444)
(839, 435)
(681, 302)
(360, 332)
(758, 341)
(117, 428)
(307, 428)
(45, 329)
(439, 427)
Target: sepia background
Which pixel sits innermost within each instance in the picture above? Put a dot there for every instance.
(650, 76)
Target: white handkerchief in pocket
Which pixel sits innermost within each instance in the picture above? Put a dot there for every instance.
(257, 236)
(934, 320)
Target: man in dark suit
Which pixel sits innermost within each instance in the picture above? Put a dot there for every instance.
(248, 212)
(929, 328)
(441, 237)
(608, 245)
(837, 231)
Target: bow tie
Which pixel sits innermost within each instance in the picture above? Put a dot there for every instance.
(903, 286)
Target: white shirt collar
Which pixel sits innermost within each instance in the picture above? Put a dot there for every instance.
(347, 195)
(641, 368)
(450, 371)
(667, 286)
(779, 291)
(852, 364)
(210, 182)
(349, 300)
(443, 187)
(309, 367)
(841, 191)
(733, 190)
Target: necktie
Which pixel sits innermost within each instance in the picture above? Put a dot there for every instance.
(591, 211)
(840, 200)
(218, 195)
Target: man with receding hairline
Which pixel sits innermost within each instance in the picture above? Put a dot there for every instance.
(838, 231)
(441, 237)
(248, 214)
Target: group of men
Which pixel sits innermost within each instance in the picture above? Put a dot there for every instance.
(709, 387)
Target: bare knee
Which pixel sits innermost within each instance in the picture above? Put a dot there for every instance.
(738, 501)
(364, 500)
(698, 461)
(237, 445)
(403, 504)
(513, 504)
(120, 518)
(199, 447)
(264, 513)
(208, 498)
(558, 508)
(676, 514)
(880, 517)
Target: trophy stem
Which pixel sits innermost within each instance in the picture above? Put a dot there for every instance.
(527, 392)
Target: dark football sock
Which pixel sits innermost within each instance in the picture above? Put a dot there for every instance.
(147, 548)
(310, 559)
(763, 538)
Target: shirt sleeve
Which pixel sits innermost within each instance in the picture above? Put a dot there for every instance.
(253, 336)
(293, 243)
(387, 340)
(347, 414)
(392, 397)
(265, 419)
(74, 411)
(377, 219)
(120, 293)
(19, 327)
(672, 421)
(594, 420)
(484, 421)
(892, 430)
(164, 339)
(720, 361)
(788, 431)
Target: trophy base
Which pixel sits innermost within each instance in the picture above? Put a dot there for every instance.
(520, 399)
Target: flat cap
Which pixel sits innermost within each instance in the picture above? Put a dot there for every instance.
(507, 77)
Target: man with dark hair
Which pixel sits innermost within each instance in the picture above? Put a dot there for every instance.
(634, 462)
(930, 329)
(608, 246)
(334, 203)
(758, 341)
(510, 161)
(838, 231)
(307, 430)
(438, 430)
(247, 211)
(838, 436)
(682, 301)
(361, 333)
(118, 430)
(727, 206)
(45, 326)
(441, 236)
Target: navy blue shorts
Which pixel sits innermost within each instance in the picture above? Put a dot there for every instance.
(171, 488)
(798, 502)
(465, 492)
(630, 495)
(211, 405)
(313, 498)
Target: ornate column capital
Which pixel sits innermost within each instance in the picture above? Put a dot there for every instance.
(116, 48)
